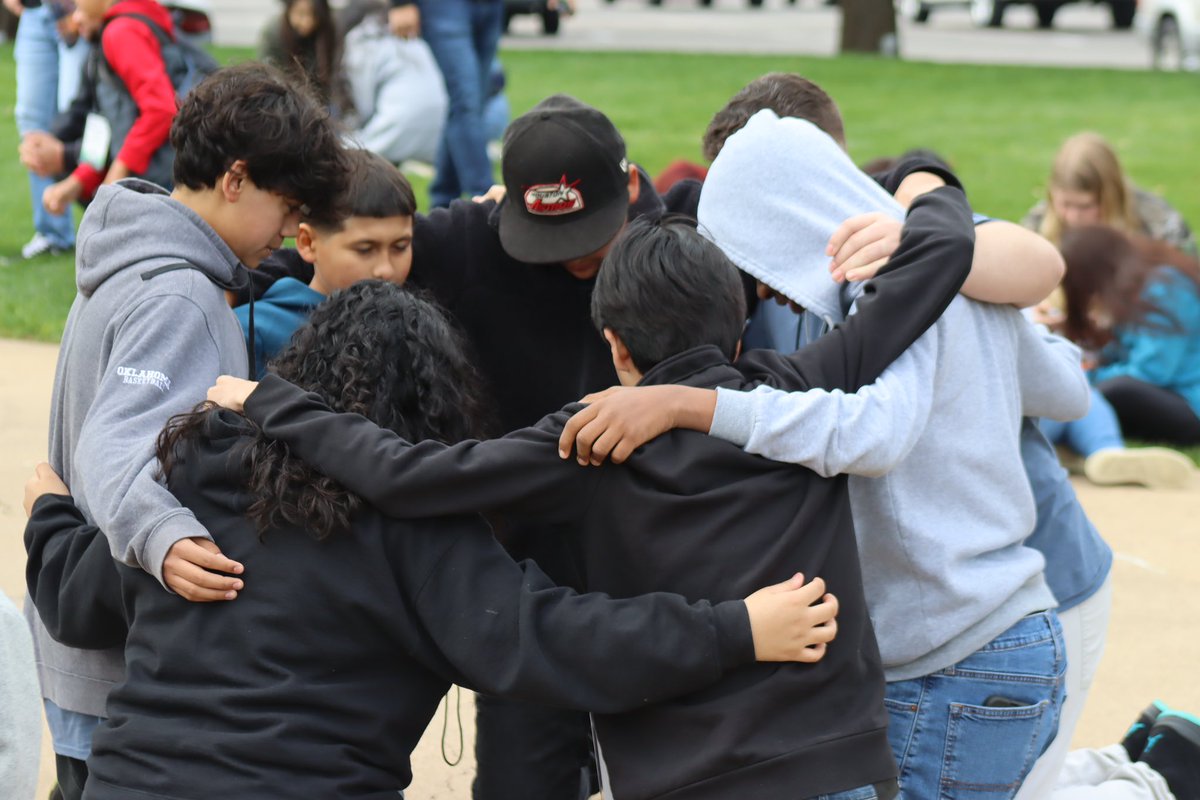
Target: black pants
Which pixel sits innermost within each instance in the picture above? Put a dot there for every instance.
(1151, 412)
(529, 752)
(72, 775)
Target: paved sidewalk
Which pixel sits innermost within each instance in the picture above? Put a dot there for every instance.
(1152, 652)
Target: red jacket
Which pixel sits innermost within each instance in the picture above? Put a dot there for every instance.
(133, 52)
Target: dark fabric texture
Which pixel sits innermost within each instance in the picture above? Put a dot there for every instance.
(1150, 412)
(327, 668)
(510, 736)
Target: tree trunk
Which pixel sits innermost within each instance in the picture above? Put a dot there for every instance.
(869, 26)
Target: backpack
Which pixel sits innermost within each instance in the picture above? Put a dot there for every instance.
(186, 63)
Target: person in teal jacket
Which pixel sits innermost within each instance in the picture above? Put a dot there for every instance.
(1136, 304)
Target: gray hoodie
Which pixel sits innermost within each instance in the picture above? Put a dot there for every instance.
(940, 536)
(139, 347)
(20, 711)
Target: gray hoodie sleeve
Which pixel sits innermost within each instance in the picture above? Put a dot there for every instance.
(1053, 384)
(162, 361)
(833, 432)
(20, 706)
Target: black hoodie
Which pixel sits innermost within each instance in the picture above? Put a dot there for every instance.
(319, 679)
(691, 514)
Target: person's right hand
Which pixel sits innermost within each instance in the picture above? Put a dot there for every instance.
(792, 621)
(43, 481)
(230, 392)
(405, 21)
(191, 571)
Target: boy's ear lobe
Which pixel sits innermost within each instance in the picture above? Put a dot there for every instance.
(306, 243)
(233, 182)
(620, 352)
(635, 184)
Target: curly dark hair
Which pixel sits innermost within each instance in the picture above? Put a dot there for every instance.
(373, 349)
(254, 113)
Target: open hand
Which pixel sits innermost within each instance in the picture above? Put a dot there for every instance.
(230, 392)
(862, 245)
(43, 481)
(191, 570)
(793, 620)
(621, 419)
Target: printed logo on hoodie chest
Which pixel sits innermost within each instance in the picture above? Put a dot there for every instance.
(142, 377)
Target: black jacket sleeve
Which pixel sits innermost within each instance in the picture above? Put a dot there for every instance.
(892, 179)
(72, 577)
(520, 474)
(907, 296)
(516, 634)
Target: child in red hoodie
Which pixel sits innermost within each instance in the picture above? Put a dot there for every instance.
(134, 94)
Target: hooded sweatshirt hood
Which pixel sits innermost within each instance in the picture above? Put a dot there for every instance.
(113, 236)
(787, 231)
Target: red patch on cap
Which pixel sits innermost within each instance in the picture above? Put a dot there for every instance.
(554, 199)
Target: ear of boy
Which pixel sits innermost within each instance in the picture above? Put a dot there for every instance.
(627, 372)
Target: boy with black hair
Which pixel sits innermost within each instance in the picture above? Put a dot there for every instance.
(149, 330)
(688, 514)
(373, 241)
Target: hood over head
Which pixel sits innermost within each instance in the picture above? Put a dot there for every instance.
(775, 194)
(135, 223)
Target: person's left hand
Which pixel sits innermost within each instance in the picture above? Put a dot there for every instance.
(43, 481)
(862, 245)
(230, 392)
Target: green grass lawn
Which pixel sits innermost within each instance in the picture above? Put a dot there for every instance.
(999, 126)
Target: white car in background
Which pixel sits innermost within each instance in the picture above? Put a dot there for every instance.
(1172, 27)
(990, 13)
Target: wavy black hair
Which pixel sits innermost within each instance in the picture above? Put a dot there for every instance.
(373, 349)
(665, 289)
(254, 113)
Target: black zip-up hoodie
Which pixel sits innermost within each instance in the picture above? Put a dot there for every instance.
(318, 680)
(694, 515)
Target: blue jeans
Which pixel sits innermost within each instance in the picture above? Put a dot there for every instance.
(463, 35)
(1099, 429)
(48, 75)
(973, 730)
(861, 793)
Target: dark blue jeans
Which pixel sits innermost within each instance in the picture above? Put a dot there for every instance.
(973, 730)
(463, 35)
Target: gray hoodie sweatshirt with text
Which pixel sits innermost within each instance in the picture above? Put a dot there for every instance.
(143, 342)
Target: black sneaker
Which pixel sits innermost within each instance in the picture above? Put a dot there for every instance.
(1173, 751)
(1135, 738)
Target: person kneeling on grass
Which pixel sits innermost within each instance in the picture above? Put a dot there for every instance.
(321, 676)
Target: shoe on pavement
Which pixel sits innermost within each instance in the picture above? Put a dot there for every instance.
(1135, 738)
(1173, 751)
(1152, 467)
(40, 245)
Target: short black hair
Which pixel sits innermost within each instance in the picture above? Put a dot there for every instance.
(785, 93)
(665, 289)
(254, 113)
(375, 189)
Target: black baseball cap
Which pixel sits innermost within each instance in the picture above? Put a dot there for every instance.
(567, 182)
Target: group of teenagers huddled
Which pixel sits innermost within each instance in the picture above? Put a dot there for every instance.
(524, 445)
